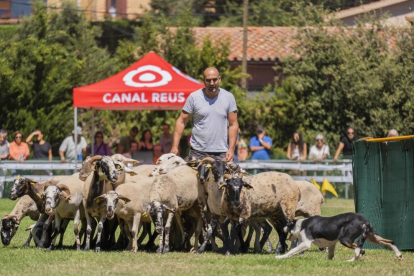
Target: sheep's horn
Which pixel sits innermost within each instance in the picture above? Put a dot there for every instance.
(64, 188)
(206, 160)
(95, 158)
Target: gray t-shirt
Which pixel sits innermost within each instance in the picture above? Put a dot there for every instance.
(210, 126)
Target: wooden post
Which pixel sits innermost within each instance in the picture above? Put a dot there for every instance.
(244, 60)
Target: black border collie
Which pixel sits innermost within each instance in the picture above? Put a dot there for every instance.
(327, 231)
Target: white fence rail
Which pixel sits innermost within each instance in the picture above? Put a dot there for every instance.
(338, 172)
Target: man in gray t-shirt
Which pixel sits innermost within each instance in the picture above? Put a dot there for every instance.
(215, 125)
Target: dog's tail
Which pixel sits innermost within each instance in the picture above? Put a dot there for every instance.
(376, 239)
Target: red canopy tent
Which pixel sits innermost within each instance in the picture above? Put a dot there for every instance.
(149, 84)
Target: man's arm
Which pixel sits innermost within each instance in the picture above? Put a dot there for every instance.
(233, 129)
(179, 129)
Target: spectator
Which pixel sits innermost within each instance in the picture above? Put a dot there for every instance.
(392, 133)
(260, 145)
(4, 145)
(67, 148)
(346, 144)
(319, 151)
(242, 150)
(19, 150)
(124, 144)
(41, 148)
(297, 149)
(166, 139)
(145, 144)
(133, 147)
(99, 147)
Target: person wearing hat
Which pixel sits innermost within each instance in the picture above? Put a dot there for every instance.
(67, 148)
(320, 150)
(124, 144)
(260, 145)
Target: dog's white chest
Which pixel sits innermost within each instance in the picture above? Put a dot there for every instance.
(324, 243)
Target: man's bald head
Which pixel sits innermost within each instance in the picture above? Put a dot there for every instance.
(212, 80)
(211, 71)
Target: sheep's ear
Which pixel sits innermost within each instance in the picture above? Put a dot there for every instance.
(99, 198)
(124, 198)
(247, 186)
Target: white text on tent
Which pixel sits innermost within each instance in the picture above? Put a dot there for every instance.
(141, 98)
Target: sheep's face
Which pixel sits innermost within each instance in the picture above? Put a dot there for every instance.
(86, 169)
(51, 198)
(108, 169)
(111, 199)
(163, 158)
(233, 189)
(20, 187)
(218, 168)
(9, 226)
(168, 165)
(203, 171)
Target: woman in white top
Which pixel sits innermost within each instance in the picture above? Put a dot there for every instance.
(297, 149)
(319, 151)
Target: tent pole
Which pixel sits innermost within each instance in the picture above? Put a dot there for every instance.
(93, 133)
(76, 134)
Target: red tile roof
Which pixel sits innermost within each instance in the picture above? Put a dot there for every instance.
(264, 43)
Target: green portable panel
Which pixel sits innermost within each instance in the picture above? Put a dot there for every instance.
(383, 174)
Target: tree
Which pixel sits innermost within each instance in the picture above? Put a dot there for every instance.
(50, 55)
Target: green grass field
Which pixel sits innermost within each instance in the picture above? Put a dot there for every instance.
(15, 260)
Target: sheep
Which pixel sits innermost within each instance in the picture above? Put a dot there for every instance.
(171, 193)
(269, 195)
(310, 202)
(70, 208)
(107, 175)
(167, 163)
(25, 186)
(10, 223)
(127, 203)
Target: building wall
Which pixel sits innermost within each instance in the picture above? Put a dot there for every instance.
(261, 74)
(396, 12)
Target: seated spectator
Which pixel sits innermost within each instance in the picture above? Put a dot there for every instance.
(145, 144)
(260, 145)
(346, 144)
(4, 145)
(19, 150)
(99, 147)
(320, 150)
(392, 133)
(133, 147)
(67, 150)
(297, 149)
(41, 148)
(166, 140)
(125, 142)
